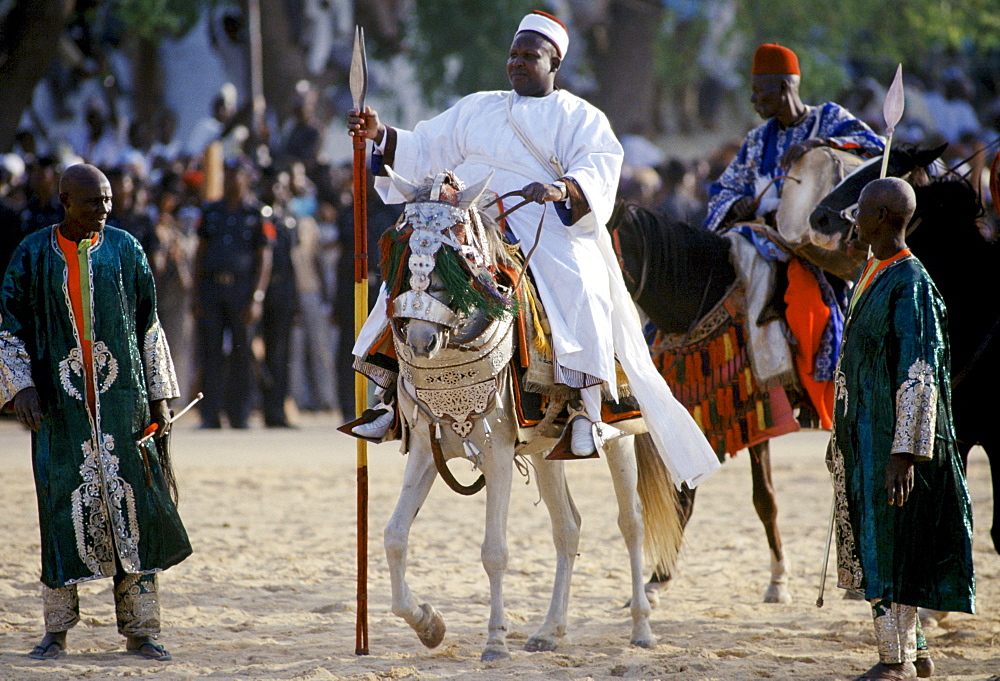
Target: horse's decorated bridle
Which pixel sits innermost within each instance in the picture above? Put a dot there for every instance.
(462, 381)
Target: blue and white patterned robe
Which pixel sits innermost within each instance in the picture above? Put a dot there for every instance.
(758, 160)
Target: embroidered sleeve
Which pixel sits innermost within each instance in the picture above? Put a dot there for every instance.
(916, 412)
(15, 367)
(161, 381)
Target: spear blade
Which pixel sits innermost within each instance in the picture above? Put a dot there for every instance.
(892, 110)
(359, 70)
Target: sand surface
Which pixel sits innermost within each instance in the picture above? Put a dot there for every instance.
(270, 590)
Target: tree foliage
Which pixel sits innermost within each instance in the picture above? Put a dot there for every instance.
(156, 19)
(462, 46)
(877, 33)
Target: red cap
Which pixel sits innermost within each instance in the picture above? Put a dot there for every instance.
(774, 59)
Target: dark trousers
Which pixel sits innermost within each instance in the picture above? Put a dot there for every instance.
(276, 332)
(226, 378)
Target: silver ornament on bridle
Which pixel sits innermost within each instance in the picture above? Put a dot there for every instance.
(461, 383)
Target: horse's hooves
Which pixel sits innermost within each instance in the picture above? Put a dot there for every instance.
(644, 642)
(930, 618)
(540, 645)
(777, 593)
(431, 629)
(494, 652)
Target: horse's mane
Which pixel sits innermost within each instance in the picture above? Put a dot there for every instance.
(688, 268)
(471, 287)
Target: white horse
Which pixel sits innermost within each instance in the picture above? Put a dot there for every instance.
(456, 400)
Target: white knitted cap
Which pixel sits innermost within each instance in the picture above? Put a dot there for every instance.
(548, 26)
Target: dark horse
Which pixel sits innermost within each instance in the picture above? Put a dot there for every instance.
(676, 273)
(945, 237)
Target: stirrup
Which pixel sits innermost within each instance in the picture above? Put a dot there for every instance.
(373, 424)
(563, 449)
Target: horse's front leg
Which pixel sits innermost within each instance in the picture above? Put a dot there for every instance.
(766, 504)
(498, 469)
(624, 475)
(565, 521)
(417, 481)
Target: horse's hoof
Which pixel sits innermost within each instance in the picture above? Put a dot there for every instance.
(540, 644)
(431, 627)
(644, 642)
(930, 618)
(777, 593)
(495, 651)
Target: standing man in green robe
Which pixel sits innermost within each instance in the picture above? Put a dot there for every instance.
(903, 515)
(85, 365)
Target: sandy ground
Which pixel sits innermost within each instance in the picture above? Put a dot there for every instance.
(270, 590)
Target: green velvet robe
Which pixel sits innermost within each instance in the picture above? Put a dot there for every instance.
(96, 496)
(893, 394)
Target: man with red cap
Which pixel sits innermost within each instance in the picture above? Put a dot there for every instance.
(555, 147)
(791, 129)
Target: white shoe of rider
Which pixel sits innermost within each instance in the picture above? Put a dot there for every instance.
(379, 427)
(582, 436)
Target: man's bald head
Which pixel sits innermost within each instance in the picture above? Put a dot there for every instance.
(81, 174)
(892, 195)
(884, 210)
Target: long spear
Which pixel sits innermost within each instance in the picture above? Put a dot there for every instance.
(359, 88)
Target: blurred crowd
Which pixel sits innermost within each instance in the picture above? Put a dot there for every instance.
(203, 206)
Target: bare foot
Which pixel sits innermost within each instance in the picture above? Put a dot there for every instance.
(145, 646)
(50, 647)
(925, 667)
(904, 671)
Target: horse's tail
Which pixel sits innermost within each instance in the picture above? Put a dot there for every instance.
(661, 514)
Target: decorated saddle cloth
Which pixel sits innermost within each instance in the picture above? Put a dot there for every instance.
(798, 345)
(709, 372)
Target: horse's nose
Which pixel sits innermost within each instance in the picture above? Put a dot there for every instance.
(431, 347)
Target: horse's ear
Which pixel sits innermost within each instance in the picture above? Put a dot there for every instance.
(403, 186)
(467, 197)
(925, 157)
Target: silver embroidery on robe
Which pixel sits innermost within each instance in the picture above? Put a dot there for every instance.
(137, 605)
(849, 572)
(916, 412)
(161, 380)
(15, 367)
(72, 368)
(61, 608)
(104, 513)
(840, 387)
(895, 631)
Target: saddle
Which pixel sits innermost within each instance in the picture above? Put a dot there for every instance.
(535, 389)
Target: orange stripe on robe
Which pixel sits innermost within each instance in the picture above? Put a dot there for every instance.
(807, 317)
(71, 251)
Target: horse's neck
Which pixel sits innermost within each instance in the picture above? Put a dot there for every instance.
(687, 270)
(963, 267)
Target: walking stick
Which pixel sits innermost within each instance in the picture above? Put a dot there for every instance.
(826, 553)
(359, 88)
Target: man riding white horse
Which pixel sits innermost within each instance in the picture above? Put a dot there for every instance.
(552, 147)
